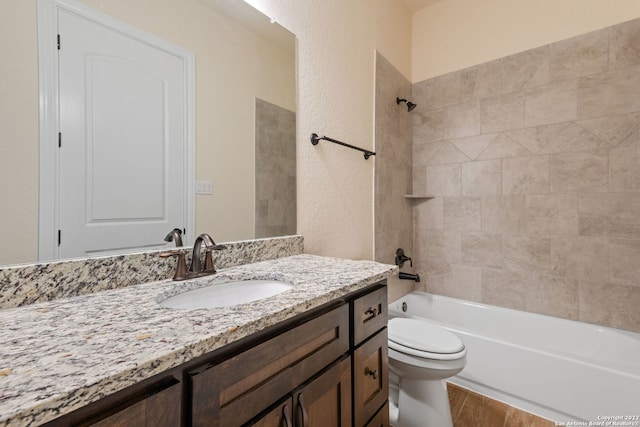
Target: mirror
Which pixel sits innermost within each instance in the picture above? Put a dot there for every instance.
(245, 111)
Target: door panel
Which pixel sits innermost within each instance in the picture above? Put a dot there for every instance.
(122, 163)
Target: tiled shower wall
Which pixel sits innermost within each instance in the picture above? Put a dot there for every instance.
(275, 170)
(393, 215)
(534, 160)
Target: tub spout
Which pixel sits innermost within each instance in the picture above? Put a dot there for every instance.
(409, 276)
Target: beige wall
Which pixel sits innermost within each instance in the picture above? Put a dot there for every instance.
(454, 34)
(393, 34)
(225, 143)
(336, 41)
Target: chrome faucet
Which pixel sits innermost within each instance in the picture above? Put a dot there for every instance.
(197, 269)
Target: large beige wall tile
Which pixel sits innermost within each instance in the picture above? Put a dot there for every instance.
(615, 130)
(535, 138)
(585, 258)
(428, 213)
(439, 246)
(579, 56)
(504, 214)
(525, 175)
(444, 180)
(614, 92)
(501, 147)
(448, 153)
(624, 168)
(503, 112)
(473, 145)
(457, 281)
(573, 138)
(623, 214)
(593, 215)
(462, 120)
(505, 288)
(422, 152)
(624, 45)
(482, 249)
(463, 213)
(525, 69)
(625, 262)
(582, 171)
(428, 126)
(552, 214)
(553, 295)
(482, 178)
(527, 253)
(481, 81)
(552, 103)
(610, 304)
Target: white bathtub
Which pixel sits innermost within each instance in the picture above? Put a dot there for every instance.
(558, 369)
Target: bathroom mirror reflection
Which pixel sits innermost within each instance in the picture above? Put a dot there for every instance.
(244, 116)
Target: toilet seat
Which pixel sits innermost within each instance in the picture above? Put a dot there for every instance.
(422, 339)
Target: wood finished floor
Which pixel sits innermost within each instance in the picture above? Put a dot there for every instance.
(469, 409)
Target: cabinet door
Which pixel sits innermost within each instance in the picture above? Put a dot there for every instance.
(381, 419)
(370, 377)
(326, 401)
(280, 416)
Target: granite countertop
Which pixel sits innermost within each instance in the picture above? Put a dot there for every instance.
(61, 355)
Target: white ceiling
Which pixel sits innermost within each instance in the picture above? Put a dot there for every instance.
(416, 5)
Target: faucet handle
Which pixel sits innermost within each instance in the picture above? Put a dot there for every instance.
(181, 267)
(208, 258)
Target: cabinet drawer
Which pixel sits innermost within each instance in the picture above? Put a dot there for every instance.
(381, 419)
(236, 390)
(369, 314)
(370, 377)
(161, 407)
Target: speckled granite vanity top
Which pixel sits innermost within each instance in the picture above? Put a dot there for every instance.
(61, 355)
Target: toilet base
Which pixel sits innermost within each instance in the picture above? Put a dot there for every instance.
(423, 403)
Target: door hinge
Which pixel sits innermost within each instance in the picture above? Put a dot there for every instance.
(59, 139)
(58, 41)
(59, 237)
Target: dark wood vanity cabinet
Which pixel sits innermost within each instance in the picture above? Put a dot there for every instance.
(325, 368)
(332, 371)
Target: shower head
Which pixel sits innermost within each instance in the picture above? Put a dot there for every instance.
(410, 105)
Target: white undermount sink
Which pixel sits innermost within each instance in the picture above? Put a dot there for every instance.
(227, 294)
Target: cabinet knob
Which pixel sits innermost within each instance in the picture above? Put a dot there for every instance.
(371, 372)
(372, 312)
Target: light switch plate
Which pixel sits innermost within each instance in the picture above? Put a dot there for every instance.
(204, 187)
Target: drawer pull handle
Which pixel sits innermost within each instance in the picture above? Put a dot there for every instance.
(286, 421)
(372, 312)
(371, 372)
(303, 411)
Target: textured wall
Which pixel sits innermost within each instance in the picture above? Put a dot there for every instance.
(335, 64)
(393, 213)
(535, 159)
(275, 170)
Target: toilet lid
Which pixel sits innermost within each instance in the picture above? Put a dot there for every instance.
(423, 336)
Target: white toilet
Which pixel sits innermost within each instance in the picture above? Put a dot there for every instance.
(421, 357)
